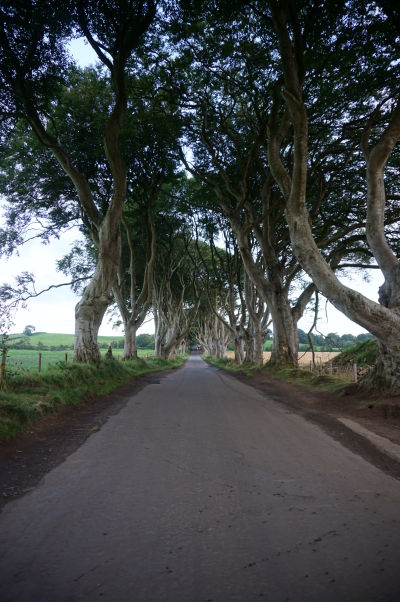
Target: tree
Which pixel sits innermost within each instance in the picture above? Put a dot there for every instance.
(28, 330)
(176, 296)
(232, 103)
(382, 319)
(152, 180)
(145, 341)
(32, 62)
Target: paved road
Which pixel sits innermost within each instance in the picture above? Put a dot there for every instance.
(202, 490)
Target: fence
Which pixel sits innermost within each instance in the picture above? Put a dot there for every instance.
(36, 361)
(323, 364)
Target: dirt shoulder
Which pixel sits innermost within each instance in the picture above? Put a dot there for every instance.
(33, 453)
(378, 416)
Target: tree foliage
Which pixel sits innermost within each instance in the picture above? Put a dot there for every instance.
(264, 105)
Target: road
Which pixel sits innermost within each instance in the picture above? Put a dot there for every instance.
(202, 489)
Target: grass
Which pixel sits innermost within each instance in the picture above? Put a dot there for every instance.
(299, 376)
(29, 395)
(333, 383)
(54, 339)
(27, 359)
(231, 366)
(364, 353)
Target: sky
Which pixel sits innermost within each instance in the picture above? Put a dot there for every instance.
(54, 311)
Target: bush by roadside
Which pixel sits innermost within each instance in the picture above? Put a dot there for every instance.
(364, 354)
(29, 396)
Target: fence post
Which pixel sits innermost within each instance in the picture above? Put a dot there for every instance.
(310, 365)
(331, 367)
(3, 364)
(66, 358)
(40, 362)
(355, 372)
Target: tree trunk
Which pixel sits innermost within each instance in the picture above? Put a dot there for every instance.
(158, 334)
(90, 310)
(285, 347)
(239, 350)
(220, 338)
(168, 351)
(171, 341)
(387, 372)
(130, 346)
(89, 313)
(249, 355)
(258, 342)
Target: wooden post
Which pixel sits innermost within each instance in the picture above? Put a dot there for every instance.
(66, 358)
(355, 372)
(310, 366)
(40, 362)
(3, 364)
(331, 367)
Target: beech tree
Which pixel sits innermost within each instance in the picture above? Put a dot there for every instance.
(231, 102)
(378, 144)
(232, 297)
(32, 63)
(176, 297)
(274, 99)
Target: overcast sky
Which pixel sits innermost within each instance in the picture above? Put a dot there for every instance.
(54, 311)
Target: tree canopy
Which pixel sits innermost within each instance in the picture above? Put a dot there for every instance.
(226, 162)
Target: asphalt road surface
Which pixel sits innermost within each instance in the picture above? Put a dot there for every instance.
(202, 489)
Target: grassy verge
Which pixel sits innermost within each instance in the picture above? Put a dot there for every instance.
(299, 376)
(365, 353)
(29, 396)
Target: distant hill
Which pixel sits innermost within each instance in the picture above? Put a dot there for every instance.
(40, 340)
(53, 341)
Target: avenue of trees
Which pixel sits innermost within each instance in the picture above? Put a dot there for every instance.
(226, 163)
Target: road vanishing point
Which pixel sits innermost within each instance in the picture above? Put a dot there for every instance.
(202, 489)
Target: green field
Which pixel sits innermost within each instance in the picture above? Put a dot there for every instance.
(55, 339)
(28, 359)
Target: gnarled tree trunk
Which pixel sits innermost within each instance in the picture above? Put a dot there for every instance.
(90, 310)
(381, 320)
(89, 313)
(286, 346)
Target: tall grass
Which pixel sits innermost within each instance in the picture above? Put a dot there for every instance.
(29, 395)
(299, 376)
(27, 359)
(364, 353)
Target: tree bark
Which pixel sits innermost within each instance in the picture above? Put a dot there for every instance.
(89, 313)
(239, 349)
(285, 347)
(158, 330)
(97, 295)
(130, 346)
